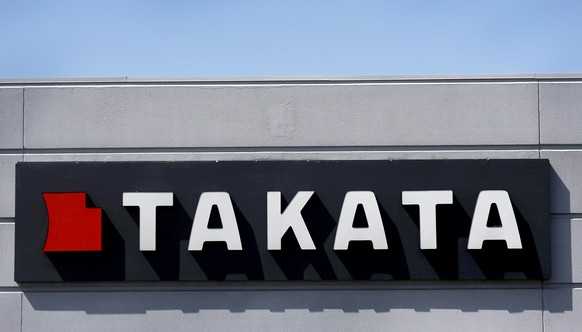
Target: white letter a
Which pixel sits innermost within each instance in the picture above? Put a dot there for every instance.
(200, 231)
(345, 230)
(508, 230)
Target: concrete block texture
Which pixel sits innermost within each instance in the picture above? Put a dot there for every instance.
(561, 113)
(7, 183)
(7, 255)
(565, 180)
(566, 250)
(281, 115)
(11, 107)
(285, 310)
(562, 306)
(10, 311)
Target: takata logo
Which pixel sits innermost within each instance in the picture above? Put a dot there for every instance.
(283, 220)
(72, 225)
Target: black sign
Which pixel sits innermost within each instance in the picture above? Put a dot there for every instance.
(283, 220)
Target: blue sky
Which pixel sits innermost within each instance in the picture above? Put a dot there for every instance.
(288, 38)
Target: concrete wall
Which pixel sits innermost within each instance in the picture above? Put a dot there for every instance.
(288, 119)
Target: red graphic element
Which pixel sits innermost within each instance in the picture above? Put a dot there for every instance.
(71, 225)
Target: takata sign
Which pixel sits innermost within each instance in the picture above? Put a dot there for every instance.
(283, 220)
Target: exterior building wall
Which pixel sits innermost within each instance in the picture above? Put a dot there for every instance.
(298, 119)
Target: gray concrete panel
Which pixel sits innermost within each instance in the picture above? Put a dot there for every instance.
(285, 310)
(281, 115)
(7, 255)
(7, 183)
(561, 113)
(346, 121)
(11, 100)
(565, 180)
(562, 305)
(10, 311)
(566, 250)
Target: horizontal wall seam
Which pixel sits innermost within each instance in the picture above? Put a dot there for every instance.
(276, 149)
(298, 149)
(566, 215)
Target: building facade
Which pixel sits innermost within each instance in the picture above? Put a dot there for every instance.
(298, 119)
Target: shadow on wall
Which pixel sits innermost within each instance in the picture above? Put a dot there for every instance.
(419, 300)
(561, 237)
(559, 298)
(559, 193)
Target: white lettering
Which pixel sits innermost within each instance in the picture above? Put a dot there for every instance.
(200, 231)
(508, 230)
(278, 223)
(147, 203)
(345, 230)
(427, 202)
